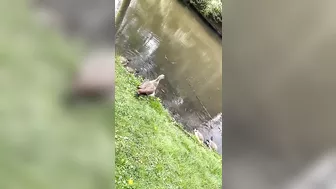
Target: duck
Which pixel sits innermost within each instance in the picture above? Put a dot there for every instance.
(212, 144)
(124, 61)
(131, 70)
(207, 143)
(199, 136)
(149, 87)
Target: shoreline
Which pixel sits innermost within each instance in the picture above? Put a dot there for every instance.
(148, 138)
(215, 26)
(152, 146)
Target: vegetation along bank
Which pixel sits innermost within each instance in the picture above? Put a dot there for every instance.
(152, 150)
(209, 10)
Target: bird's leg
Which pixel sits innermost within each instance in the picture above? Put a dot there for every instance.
(152, 95)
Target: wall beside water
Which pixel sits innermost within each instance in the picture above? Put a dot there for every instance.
(197, 6)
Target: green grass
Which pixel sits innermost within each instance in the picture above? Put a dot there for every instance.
(152, 150)
(44, 144)
(209, 8)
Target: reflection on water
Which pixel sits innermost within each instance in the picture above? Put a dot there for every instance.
(163, 37)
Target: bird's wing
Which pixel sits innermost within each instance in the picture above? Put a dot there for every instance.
(144, 84)
(200, 136)
(147, 90)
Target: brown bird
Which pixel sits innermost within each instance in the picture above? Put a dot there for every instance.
(149, 87)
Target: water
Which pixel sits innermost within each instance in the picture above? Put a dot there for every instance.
(164, 37)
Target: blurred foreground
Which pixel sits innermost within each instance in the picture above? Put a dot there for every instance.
(46, 143)
(279, 100)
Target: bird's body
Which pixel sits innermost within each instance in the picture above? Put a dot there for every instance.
(199, 135)
(123, 61)
(212, 144)
(149, 87)
(130, 70)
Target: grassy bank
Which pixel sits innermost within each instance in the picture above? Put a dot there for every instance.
(151, 150)
(209, 8)
(43, 143)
